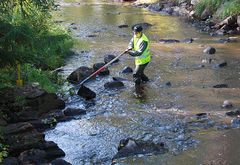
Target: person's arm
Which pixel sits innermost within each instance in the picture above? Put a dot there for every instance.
(139, 52)
(130, 45)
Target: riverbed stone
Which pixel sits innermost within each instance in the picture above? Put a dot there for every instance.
(60, 162)
(235, 123)
(97, 66)
(113, 84)
(127, 69)
(168, 41)
(130, 147)
(74, 112)
(227, 104)
(220, 86)
(209, 50)
(86, 93)
(119, 79)
(233, 113)
(110, 57)
(123, 26)
(221, 64)
(188, 40)
(33, 156)
(52, 150)
(155, 7)
(79, 74)
(21, 137)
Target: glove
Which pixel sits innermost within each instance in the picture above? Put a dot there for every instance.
(128, 49)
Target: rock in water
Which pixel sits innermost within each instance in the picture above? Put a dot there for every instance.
(113, 84)
(86, 93)
(130, 147)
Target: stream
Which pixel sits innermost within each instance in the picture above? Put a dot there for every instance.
(180, 87)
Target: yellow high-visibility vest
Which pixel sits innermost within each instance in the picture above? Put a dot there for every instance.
(145, 57)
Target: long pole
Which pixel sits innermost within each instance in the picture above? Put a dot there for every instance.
(100, 69)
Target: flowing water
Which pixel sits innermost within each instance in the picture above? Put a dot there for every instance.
(164, 113)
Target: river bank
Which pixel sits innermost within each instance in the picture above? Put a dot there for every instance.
(206, 22)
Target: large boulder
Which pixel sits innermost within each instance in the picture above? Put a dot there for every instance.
(130, 147)
(33, 156)
(98, 66)
(21, 137)
(27, 103)
(86, 93)
(52, 150)
(79, 74)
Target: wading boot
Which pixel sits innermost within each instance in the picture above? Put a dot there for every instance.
(139, 91)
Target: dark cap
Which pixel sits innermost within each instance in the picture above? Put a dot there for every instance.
(137, 28)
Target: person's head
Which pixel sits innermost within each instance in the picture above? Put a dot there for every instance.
(137, 30)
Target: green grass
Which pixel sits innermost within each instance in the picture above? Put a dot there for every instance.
(221, 8)
(230, 7)
(213, 5)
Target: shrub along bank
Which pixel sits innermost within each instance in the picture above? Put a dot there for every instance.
(29, 36)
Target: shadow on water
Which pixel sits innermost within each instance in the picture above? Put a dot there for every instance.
(179, 87)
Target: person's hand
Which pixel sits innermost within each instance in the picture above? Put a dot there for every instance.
(128, 49)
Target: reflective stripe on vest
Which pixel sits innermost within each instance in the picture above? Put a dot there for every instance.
(145, 57)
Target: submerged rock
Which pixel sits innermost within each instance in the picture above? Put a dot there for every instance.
(130, 147)
(113, 84)
(168, 41)
(60, 162)
(235, 123)
(74, 112)
(98, 66)
(227, 104)
(209, 50)
(233, 113)
(110, 57)
(127, 69)
(221, 64)
(86, 93)
(123, 26)
(220, 86)
(79, 74)
(188, 40)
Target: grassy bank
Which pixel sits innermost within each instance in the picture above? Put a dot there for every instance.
(219, 8)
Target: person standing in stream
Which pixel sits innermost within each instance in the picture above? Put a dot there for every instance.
(139, 48)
